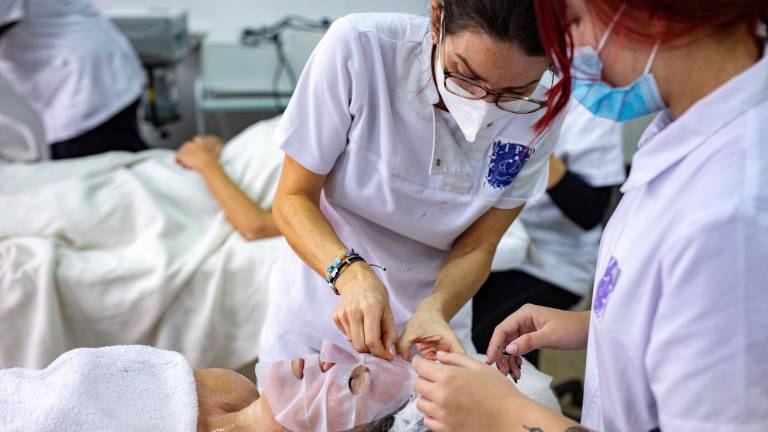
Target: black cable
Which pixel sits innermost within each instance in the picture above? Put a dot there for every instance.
(272, 34)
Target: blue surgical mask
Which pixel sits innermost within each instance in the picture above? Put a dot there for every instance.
(640, 98)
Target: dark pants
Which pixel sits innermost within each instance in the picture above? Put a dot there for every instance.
(504, 293)
(120, 132)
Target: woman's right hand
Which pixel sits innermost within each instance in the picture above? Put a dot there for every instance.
(363, 312)
(532, 327)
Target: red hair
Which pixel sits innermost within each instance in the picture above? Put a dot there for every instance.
(683, 17)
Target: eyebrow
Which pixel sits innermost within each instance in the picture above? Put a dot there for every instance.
(477, 75)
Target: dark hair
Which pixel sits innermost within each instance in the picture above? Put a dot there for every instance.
(383, 425)
(511, 21)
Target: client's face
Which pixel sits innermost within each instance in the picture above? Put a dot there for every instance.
(335, 391)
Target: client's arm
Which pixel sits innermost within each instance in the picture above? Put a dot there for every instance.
(202, 155)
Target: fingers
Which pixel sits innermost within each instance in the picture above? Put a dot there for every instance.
(502, 334)
(428, 369)
(428, 408)
(373, 338)
(341, 325)
(528, 342)
(460, 360)
(511, 328)
(357, 331)
(434, 425)
(404, 345)
(388, 330)
(424, 388)
(455, 346)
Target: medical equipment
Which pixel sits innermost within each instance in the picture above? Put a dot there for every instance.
(161, 39)
(273, 34)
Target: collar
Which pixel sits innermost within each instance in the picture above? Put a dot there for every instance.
(419, 83)
(666, 142)
(447, 156)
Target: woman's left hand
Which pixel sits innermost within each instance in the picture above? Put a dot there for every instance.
(459, 393)
(200, 152)
(430, 332)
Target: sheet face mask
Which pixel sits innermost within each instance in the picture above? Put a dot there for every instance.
(338, 391)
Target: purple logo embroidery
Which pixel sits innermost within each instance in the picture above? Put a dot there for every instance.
(605, 287)
(507, 160)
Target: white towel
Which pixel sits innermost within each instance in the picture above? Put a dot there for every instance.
(115, 389)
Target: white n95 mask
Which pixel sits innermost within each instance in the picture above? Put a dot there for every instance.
(335, 390)
(470, 115)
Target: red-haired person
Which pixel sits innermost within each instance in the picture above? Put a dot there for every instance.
(678, 332)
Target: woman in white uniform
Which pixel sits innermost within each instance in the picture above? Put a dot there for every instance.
(77, 70)
(410, 141)
(678, 332)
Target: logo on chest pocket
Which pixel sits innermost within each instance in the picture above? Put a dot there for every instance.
(506, 161)
(605, 287)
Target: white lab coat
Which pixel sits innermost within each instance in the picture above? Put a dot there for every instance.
(679, 328)
(402, 182)
(70, 62)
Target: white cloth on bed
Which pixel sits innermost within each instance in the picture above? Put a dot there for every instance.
(116, 389)
(126, 248)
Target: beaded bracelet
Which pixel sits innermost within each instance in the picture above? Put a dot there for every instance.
(334, 271)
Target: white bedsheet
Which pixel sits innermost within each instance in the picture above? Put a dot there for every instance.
(132, 249)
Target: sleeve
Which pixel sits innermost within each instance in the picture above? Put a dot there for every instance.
(531, 183)
(583, 204)
(706, 358)
(11, 11)
(592, 147)
(313, 131)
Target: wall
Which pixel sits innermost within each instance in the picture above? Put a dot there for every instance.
(226, 16)
(223, 20)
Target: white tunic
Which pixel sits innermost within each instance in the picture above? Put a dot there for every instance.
(72, 64)
(679, 329)
(563, 253)
(402, 185)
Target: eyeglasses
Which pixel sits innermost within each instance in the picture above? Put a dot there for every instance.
(464, 87)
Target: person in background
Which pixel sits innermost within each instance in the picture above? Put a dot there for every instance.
(564, 226)
(77, 70)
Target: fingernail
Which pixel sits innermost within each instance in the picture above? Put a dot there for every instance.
(511, 349)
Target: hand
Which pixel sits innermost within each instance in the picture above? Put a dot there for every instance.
(533, 327)
(200, 152)
(363, 312)
(430, 332)
(462, 394)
